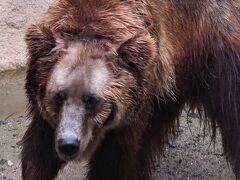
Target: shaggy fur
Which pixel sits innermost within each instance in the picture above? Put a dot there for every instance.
(174, 53)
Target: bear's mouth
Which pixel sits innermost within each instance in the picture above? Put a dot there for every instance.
(84, 152)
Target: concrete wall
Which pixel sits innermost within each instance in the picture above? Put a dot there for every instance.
(15, 15)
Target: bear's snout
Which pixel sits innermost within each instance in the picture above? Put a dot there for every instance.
(68, 147)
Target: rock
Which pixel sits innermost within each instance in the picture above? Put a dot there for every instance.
(9, 163)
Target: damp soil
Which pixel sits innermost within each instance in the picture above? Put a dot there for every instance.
(190, 156)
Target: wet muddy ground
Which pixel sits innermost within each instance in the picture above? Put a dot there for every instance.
(190, 156)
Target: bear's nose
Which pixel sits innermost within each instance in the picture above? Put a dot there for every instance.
(68, 146)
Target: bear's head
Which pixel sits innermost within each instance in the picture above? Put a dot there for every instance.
(85, 85)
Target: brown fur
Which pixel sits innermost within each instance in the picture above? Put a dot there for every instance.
(174, 53)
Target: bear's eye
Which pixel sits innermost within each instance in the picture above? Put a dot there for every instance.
(59, 98)
(91, 101)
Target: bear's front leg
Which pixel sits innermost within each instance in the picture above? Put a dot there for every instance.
(39, 159)
(120, 157)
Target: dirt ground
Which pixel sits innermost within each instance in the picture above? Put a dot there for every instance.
(187, 157)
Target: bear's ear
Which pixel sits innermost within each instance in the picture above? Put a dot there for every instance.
(40, 40)
(137, 51)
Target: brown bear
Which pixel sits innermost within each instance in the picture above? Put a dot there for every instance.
(108, 79)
